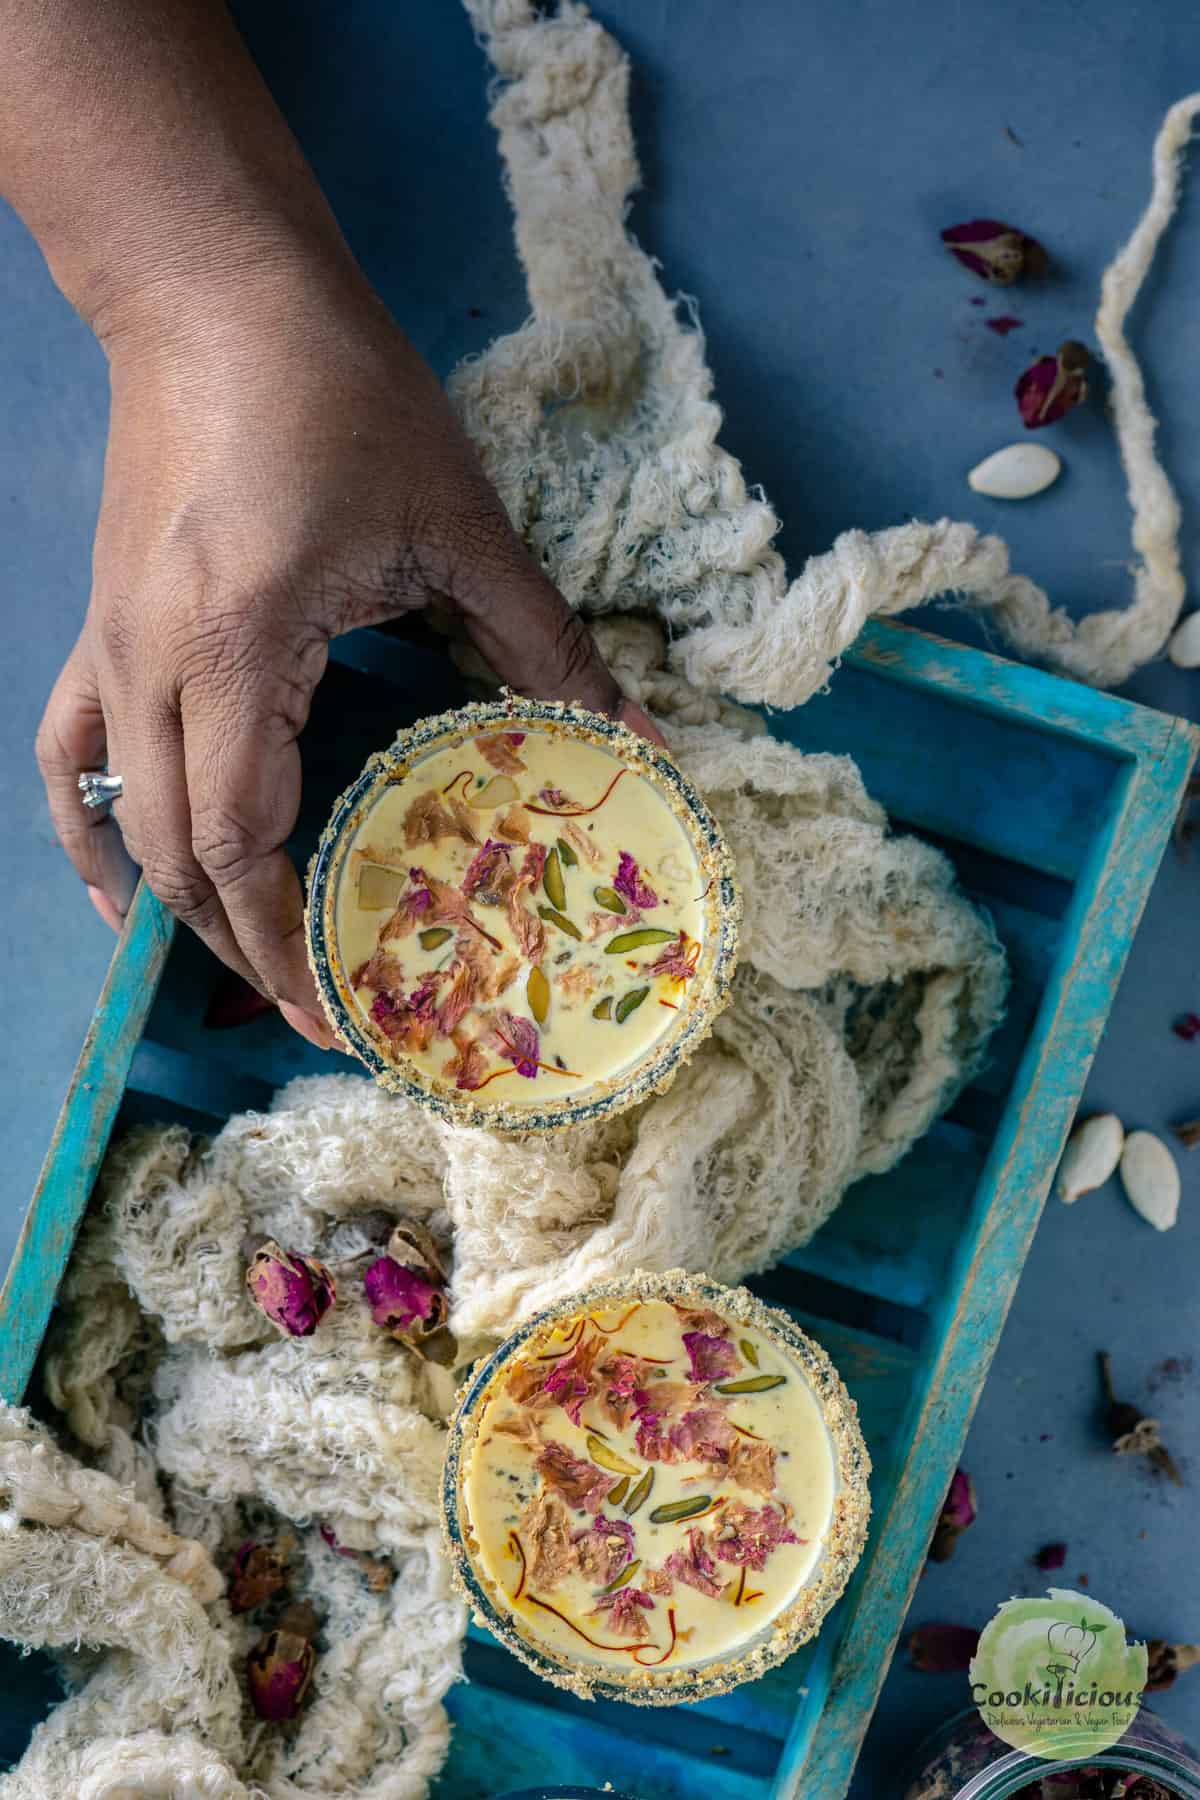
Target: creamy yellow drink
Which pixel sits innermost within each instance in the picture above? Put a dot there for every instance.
(524, 910)
(655, 1491)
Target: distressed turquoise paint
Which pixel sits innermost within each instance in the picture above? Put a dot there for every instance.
(1085, 792)
(80, 1138)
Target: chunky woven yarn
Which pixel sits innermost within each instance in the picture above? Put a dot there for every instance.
(596, 421)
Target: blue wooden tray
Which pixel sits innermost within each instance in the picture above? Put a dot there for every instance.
(1055, 803)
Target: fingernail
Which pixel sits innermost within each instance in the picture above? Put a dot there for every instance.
(105, 908)
(308, 1025)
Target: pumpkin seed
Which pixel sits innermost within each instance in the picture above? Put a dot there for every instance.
(629, 1003)
(608, 1459)
(748, 1351)
(537, 992)
(566, 855)
(552, 881)
(498, 792)
(556, 918)
(753, 1384)
(627, 1574)
(379, 887)
(603, 1008)
(637, 940)
(639, 1494)
(680, 1509)
(434, 937)
(615, 1495)
(610, 900)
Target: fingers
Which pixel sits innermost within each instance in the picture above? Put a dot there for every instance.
(71, 740)
(522, 626)
(243, 775)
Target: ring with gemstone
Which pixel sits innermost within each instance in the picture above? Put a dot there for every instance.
(99, 789)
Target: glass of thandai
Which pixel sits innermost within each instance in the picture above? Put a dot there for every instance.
(522, 915)
(656, 1491)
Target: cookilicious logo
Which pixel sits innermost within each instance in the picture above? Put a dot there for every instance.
(1055, 1677)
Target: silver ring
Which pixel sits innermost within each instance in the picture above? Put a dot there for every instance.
(100, 789)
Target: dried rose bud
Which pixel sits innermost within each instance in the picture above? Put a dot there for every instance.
(957, 1513)
(1051, 1556)
(942, 1649)
(1187, 1026)
(258, 1572)
(1188, 1133)
(279, 1671)
(1166, 1661)
(995, 251)
(407, 1304)
(1131, 1432)
(1050, 387)
(380, 1575)
(294, 1291)
(413, 1246)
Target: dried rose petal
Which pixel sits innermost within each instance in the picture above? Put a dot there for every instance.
(624, 1609)
(380, 1575)
(604, 1549)
(403, 1302)
(519, 1040)
(413, 1246)
(694, 1566)
(958, 1511)
(1050, 387)
(279, 1671)
(629, 884)
(257, 1573)
(295, 1292)
(580, 1483)
(1051, 1556)
(748, 1537)
(942, 1649)
(678, 959)
(995, 251)
(486, 870)
(570, 1380)
(711, 1358)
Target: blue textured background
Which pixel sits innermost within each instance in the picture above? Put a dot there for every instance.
(799, 163)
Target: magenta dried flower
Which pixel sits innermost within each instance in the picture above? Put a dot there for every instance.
(407, 1304)
(279, 1671)
(958, 1511)
(711, 1358)
(995, 251)
(1051, 1556)
(1003, 323)
(1187, 1026)
(295, 1292)
(942, 1649)
(629, 884)
(258, 1572)
(1050, 387)
(519, 1041)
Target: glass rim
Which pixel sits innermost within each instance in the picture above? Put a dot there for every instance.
(1137, 1752)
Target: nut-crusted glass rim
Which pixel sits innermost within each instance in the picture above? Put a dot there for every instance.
(796, 1623)
(601, 1099)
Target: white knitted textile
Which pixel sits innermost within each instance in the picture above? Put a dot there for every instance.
(867, 990)
(596, 421)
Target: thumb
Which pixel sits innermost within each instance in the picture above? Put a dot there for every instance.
(523, 628)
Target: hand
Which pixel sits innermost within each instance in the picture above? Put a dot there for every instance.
(282, 467)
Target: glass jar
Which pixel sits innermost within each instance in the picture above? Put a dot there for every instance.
(964, 1761)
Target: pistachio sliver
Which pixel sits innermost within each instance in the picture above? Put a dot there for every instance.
(629, 1003)
(379, 888)
(753, 1384)
(608, 1459)
(680, 1509)
(537, 992)
(496, 792)
(639, 1494)
(556, 918)
(566, 855)
(615, 1495)
(627, 1574)
(637, 940)
(748, 1351)
(552, 881)
(434, 937)
(609, 899)
(603, 1008)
